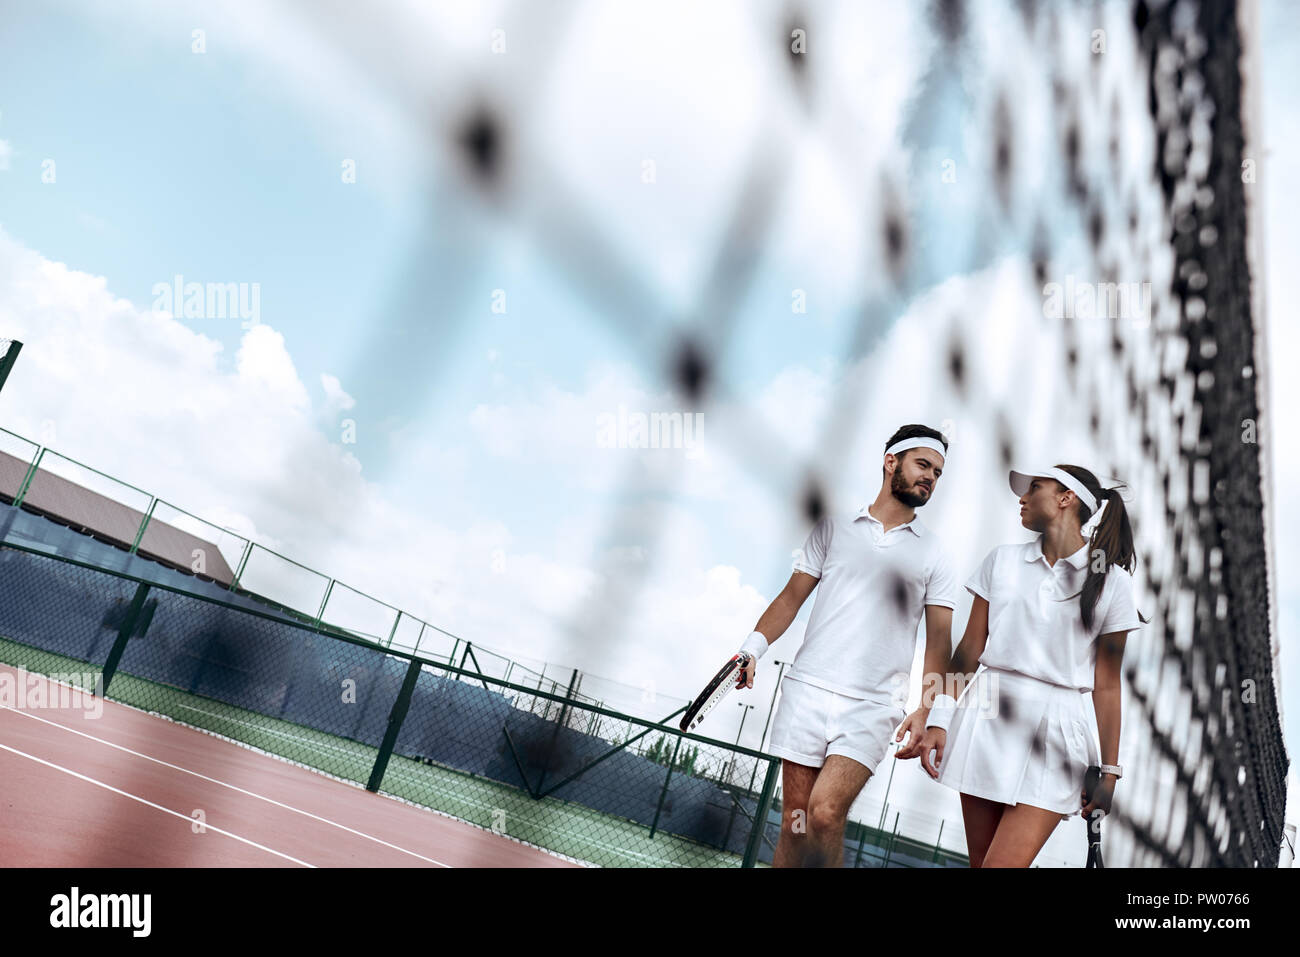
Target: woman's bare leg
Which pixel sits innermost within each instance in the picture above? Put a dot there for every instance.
(1021, 834)
(981, 817)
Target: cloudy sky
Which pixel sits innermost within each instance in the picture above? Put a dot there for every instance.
(414, 406)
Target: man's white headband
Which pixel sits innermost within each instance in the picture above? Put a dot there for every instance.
(922, 443)
(1020, 484)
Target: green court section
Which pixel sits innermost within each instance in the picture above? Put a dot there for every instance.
(556, 825)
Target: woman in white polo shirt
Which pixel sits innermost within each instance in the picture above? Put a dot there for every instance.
(1048, 625)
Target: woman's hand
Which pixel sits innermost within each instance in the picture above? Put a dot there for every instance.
(1101, 798)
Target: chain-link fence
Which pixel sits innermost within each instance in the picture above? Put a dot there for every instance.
(545, 768)
(1094, 142)
(82, 498)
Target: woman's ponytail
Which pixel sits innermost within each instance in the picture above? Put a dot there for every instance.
(1112, 537)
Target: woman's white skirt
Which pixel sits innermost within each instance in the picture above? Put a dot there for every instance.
(1020, 740)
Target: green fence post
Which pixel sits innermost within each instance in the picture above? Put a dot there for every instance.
(760, 816)
(395, 719)
(892, 839)
(323, 602)
(664, 791)
(935, 859)
(10, 357)
(135, 545)
(862, 838)
(27, 479)
(396, 622)
(555, 690)
(123, 635)
(243, 560)
(555, 735)
(731, 819)
(568, 696)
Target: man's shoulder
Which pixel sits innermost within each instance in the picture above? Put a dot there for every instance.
(932, 540)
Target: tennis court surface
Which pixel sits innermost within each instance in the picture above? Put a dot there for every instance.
(106, 785)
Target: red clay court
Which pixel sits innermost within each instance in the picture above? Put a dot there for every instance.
(121, 790)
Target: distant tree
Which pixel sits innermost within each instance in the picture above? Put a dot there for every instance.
(661, 752)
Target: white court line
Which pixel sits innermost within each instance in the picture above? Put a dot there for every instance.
(232, 787)
(265, 730)
(157, 807)
(275, 756)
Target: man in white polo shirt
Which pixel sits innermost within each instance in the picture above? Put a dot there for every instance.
(844, 693)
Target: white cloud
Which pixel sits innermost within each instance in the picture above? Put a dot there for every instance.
(6, 151)
(334, 392)
(143, 398)
(265, 367)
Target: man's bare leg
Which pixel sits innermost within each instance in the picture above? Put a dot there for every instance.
(797, 782)
(838, 785)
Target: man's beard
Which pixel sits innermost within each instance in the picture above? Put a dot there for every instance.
(898, 488)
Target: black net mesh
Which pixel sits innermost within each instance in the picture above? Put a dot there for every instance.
(1131, 113)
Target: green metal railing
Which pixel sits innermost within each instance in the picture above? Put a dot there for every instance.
(482, 753)
(8, 356)
(308, 596)
(268, 575)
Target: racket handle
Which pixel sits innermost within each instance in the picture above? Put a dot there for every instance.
(745, 662)
(1090, 780)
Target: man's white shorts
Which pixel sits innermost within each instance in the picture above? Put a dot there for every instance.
(811, 723)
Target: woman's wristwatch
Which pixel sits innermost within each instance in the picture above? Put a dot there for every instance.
(1114, 769)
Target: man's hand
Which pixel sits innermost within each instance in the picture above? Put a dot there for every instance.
(922, 744)
(914, 725)
(745, 677)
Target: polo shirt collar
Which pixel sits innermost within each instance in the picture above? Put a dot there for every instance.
(914, 526)
(1034, 551)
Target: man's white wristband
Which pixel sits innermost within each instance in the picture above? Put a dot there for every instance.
(941, 711)
(755, 644)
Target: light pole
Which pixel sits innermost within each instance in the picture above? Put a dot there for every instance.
(731, 767)
(731, 820)
(888, 784)
(770, 708)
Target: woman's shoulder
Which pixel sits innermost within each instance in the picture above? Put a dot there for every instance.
(1117, 579)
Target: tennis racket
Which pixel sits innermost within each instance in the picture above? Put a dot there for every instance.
(1090, 781)
(715, 691)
